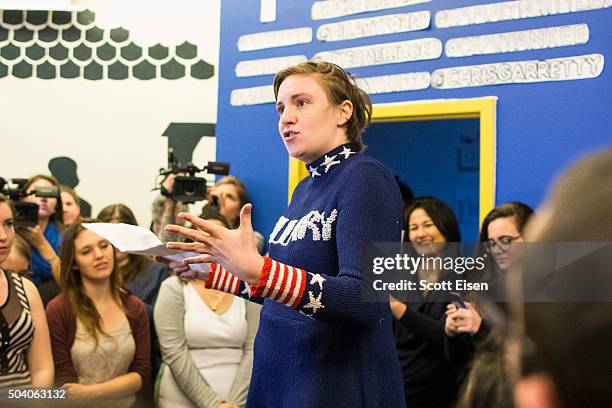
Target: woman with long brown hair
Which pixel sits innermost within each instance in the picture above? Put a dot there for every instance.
(99, 333)
(140, 274)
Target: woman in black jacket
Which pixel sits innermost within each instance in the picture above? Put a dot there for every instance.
(430, 379)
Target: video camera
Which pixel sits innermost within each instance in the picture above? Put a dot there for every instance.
(26, 214)
(189, 188)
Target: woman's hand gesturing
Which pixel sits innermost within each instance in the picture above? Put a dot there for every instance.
(234, 249)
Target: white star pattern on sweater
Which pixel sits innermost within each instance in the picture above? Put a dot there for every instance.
(314, 303)
(346, 152)
(330, 161)
(313, 171)
(247, 290)
(316, 278)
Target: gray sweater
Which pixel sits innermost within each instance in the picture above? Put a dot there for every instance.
(169, 315)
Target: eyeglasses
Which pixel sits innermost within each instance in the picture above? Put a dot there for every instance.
(504, 243)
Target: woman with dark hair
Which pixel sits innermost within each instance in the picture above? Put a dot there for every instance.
(25, 347)
(143, 278)
(45, 239)
(430, 379)
(99, 332)
(501, 231)
(319, 343)
(487, 382)
(502, 227)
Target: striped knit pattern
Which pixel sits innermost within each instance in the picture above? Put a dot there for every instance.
(280, 282)
(220, 279)
(17, 374)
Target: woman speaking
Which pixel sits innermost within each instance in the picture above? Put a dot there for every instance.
(319, 343)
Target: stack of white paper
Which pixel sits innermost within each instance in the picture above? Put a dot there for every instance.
(133, 239)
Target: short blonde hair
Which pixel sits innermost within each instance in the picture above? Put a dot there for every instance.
(339, 86)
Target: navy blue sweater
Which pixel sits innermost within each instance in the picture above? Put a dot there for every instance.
(319, 344)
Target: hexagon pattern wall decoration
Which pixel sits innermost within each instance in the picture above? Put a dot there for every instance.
(68, 45)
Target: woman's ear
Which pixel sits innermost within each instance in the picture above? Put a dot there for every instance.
(345, 111)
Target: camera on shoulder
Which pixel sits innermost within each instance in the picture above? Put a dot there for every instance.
(188, 188)
(26, 214)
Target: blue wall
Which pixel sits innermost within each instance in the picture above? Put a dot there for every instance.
(426, 157)
(541, 127)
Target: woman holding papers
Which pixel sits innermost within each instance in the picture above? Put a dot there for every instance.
(319, 344)
(99, 333)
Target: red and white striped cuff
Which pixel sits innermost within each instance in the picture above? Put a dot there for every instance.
(220, 279)
(280, 282)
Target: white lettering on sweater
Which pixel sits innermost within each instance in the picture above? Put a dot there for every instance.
(295, 230)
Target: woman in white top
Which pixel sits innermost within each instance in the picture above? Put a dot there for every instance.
(206, 339)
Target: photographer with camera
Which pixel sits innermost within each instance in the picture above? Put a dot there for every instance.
(166, 207)
(45, 238)
(180, 187)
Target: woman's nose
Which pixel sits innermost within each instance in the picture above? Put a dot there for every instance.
(288, 116)
(419, 232)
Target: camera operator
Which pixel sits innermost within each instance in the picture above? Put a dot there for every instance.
(227, 196)
(45, 239)
(165, 208)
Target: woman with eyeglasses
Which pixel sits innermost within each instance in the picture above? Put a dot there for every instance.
(501, 231)
(487, 383)
(503, 227)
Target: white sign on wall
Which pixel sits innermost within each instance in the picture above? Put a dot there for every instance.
(367, 27)
(540, 38)
(556, 69)
(272, 39)
(412, 81)
(387, 53)
(514, 10)
(267, 66)
(338, 8)
(252, 96)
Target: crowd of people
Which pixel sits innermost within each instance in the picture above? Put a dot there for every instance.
(291, 327)
(79, 314)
